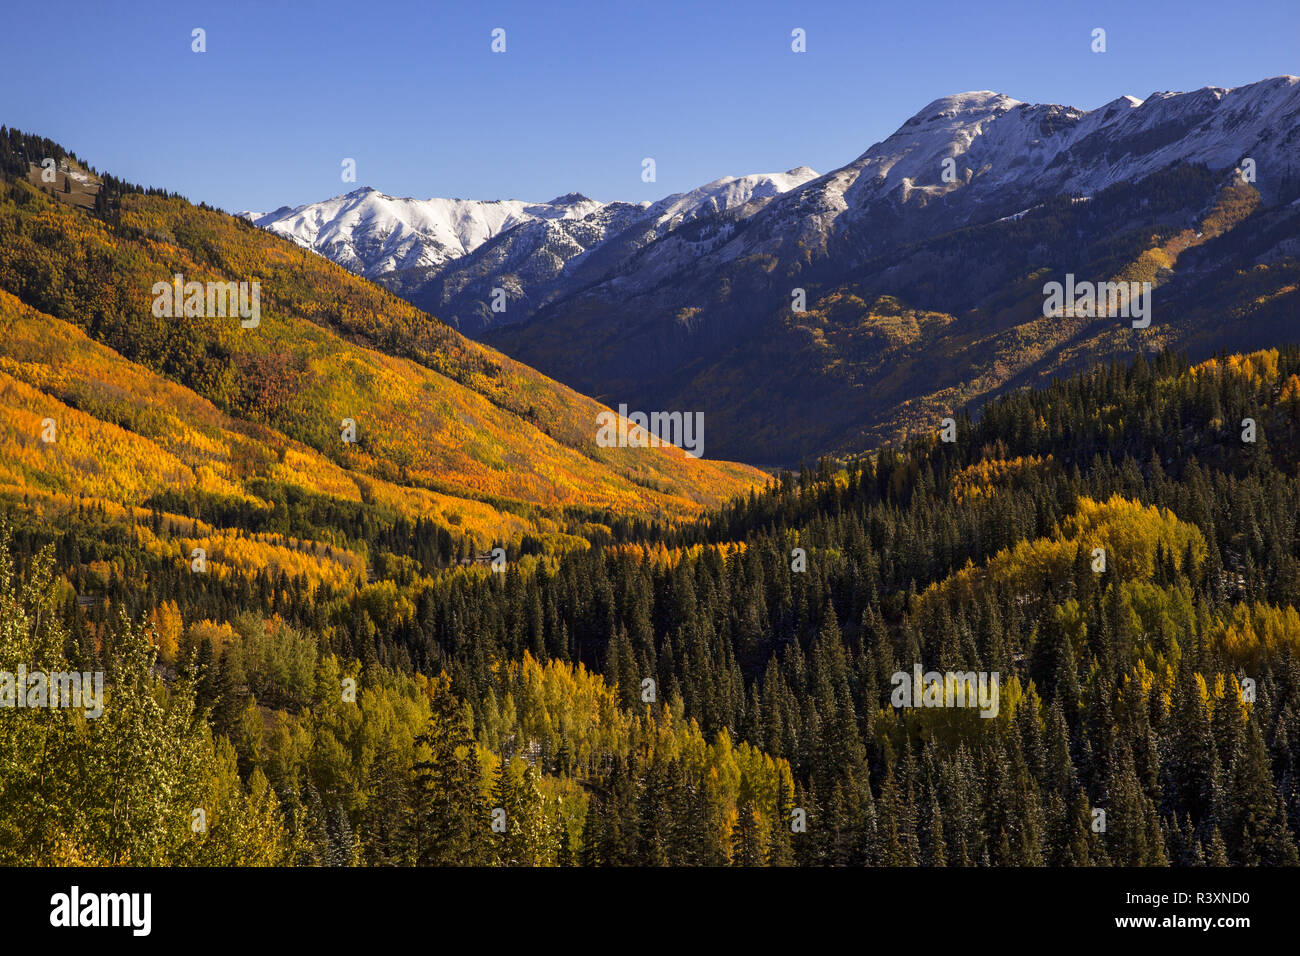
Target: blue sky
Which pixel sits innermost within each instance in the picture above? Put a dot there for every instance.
(583, 92)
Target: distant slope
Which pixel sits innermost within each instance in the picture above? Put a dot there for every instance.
(923, 263)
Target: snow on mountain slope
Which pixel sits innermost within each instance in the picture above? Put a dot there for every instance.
(730, 192)
(372, 234)
(1003, 150)
(526, 260)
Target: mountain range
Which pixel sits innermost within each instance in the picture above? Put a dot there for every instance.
(447, 255)
(921, 264)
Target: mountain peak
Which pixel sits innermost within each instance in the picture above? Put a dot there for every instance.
(975, 102)
(569, 199)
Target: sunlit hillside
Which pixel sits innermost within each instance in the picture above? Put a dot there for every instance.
(103, 400)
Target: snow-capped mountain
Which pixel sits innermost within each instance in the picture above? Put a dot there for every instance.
(1005, 153)
(950, 215)
(977, 157)
(372, 234)
(448, 254)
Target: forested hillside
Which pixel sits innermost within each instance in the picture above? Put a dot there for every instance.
(241, 419)
(721, 691)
